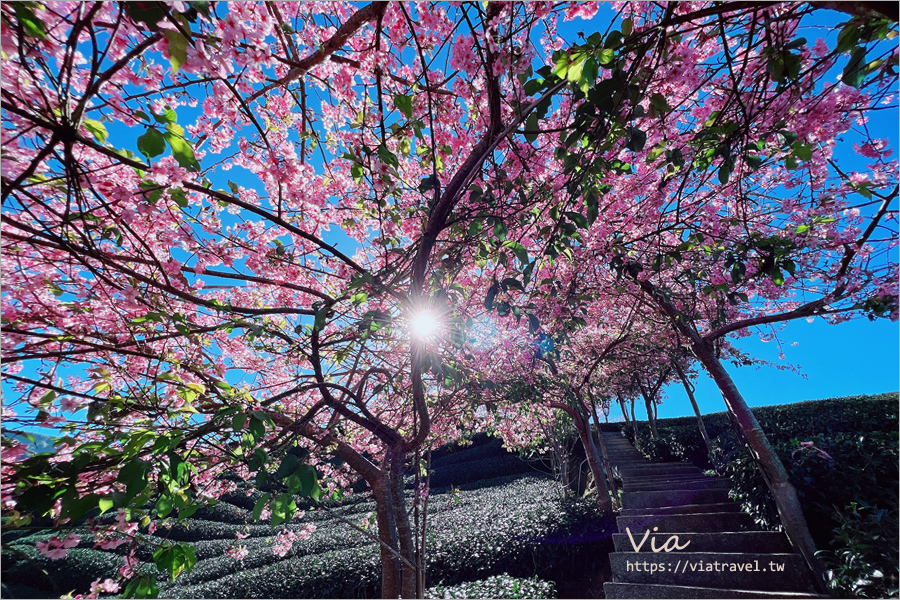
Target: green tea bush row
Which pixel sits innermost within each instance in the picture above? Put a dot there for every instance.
(850, 501)
(489, 447)
(513, 525)
(461, 473)
(498, 586)
(23, 564)
(347, 573)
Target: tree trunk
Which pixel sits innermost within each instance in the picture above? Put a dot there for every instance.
(634, 425)
(689, 388)
(786, 500)
(404, 531)
(606, 465)
(582, 426)
(604, 500)
(651, 420)
(387, 533)
(624, 408)
(789, 508)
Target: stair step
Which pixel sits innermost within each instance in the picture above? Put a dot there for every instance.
(695, 522)
(718, 507)
(650, 466)
(671, 497)
(668, 477)
(729, 541)
(751, 571)
(713, 484)
(648, 590)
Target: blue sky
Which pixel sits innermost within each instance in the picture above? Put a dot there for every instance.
(856, 357)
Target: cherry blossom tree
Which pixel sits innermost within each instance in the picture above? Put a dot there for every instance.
(171, 325)
(400, 169)
(720, 194)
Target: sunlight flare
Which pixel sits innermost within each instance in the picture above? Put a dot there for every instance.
(424, 324)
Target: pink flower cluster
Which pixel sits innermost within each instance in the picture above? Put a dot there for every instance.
(284, 541)
(238, 552)
(56, 548)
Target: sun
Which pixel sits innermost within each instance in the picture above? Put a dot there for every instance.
(424, 324)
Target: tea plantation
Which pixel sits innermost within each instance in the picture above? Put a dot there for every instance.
(500, 528)
(497, 528)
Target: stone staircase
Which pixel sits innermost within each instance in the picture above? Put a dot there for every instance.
(713, 551)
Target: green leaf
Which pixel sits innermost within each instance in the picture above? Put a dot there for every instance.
(500, 230)
(141, 587)
(777, 275)
(387, 157)
(562, 66)
(238, 421)
(855, 73)
(489, 298)
(175, 559)
(531, 127)
(589, 74)
(260, 505)
(636, 139)
(404, 104)
(105, 504)
(848, 37)
(533, 323)
(724, 172)
(31, 25)
(738, 270)
(606, 56)
(511, 282)
(151, 143)
(575, 69)
(168, 116)
(520, 251)
(427, 184)
(177, 48)
(181, 150)
(753, 161)
(283, 509)
(802, 151)
(659, 102)
(134, 476)
(180, 198)
(533, 86)
(97, 129)
(321, 317)
(150, 13)
(257, 429)
(289, 464)
(164, 506)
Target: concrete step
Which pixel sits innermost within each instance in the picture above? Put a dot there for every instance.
(668, 477)
(683, 509)
(672, 497)
(713, 484)
(749, 571)
(661, 486)
(660, 469)
(649, 466)
(694, 522)
(645, 590)
(729, 541)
